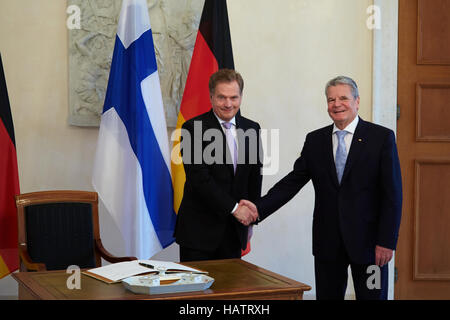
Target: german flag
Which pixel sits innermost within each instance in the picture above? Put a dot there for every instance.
(212, 51)
(9, 184)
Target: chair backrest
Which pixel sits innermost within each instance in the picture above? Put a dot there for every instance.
(59, 228)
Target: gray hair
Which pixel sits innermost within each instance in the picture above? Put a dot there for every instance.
(342, 80)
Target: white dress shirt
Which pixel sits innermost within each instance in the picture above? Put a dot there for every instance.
(348, 137)
(233, 127)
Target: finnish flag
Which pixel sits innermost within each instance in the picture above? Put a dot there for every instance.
(132, 161)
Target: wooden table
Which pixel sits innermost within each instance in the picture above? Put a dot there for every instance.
(234, 279)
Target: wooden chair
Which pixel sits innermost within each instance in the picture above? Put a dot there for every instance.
(58, 229)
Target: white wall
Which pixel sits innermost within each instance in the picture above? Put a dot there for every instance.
(384, 105)
(51, 154)
(286, 54)
(285, 50)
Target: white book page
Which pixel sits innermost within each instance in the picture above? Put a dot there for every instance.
(120, 270)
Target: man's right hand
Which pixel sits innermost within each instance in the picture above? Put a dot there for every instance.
(246, 213)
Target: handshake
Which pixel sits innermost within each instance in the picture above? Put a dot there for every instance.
(246, 212)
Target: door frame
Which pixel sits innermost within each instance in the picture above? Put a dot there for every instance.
(384, 80)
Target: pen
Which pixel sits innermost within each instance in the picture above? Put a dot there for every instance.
(146, 265)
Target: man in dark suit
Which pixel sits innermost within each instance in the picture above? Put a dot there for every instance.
(220, 151)
(355, 171)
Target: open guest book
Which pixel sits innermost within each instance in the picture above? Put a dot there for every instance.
(116, 272)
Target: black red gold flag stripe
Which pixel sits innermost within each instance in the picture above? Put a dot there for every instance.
(9, 184)
(212, 51)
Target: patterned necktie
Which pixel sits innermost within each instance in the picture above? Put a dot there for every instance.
(231, 143)
(341, 154)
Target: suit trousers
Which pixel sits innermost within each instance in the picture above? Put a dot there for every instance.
(229, 248)
(370, 282)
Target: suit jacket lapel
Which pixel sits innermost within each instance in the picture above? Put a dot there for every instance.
(358, 142)
(328, 144)
(242, 148)
(212, 121)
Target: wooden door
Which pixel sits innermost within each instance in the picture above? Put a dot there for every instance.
(423, 251)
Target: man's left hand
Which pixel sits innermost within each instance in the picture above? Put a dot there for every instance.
(382, 255)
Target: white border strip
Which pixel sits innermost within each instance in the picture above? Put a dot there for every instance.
(385, 64)
(384, 90)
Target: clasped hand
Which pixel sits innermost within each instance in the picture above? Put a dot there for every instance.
(246, 212)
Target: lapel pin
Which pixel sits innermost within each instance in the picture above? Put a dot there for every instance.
(360, 140)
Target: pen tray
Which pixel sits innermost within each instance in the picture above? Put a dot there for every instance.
(181, 282)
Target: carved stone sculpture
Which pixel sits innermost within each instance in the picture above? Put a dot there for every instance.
(174, 27)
